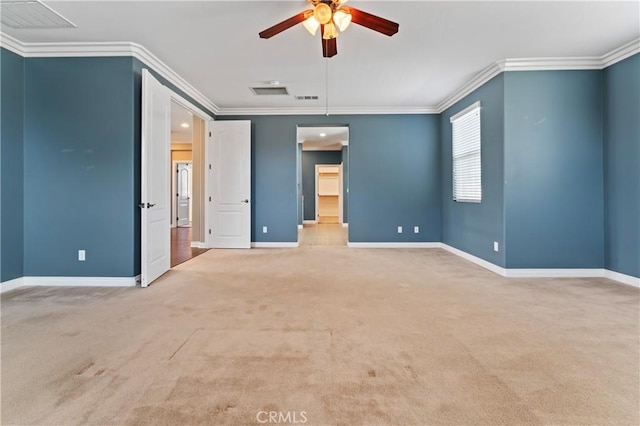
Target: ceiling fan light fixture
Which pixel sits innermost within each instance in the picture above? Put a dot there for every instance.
(330, 31)
(322, 13)
(342, 19)
(312, 25)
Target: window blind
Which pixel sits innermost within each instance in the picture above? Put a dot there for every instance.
(467, 176)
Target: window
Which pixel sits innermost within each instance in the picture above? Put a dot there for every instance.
(467, 179)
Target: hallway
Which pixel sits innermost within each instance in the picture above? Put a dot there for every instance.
(323, 235)
(181, 249)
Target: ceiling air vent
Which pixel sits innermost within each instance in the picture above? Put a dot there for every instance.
(269, 91)
(31, 14)
(307, 98)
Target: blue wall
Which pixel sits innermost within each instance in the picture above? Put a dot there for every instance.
(82, 165)
(70, 170)
(11, 166)
(345, 183)
(473, 227)
(393, 171)
(309, 161)
(622, 166)
(299, 183)
(553, 169)
(79, 167)
(394, 178)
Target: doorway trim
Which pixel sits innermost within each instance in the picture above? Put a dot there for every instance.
(189, 106)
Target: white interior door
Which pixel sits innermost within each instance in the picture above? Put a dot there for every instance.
(155, 202)
(183, 193)
(230, 174)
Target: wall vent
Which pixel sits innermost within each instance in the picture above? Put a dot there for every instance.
(307, 98)
(31, 14)
(269, 91)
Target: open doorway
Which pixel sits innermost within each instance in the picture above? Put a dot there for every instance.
(323, 184)
(185, 129)
(156, 192)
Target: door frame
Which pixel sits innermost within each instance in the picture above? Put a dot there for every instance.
(208, 120)
(211, 180)
(340, 194)
(174, 188)
(189, 106)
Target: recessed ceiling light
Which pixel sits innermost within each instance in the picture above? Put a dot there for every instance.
(185, 125)
(322, 135)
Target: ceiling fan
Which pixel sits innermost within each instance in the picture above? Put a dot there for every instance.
(331, 16)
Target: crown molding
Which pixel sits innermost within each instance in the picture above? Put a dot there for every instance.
(621, 53)
(102, 49)
(99, 49)
(551, 64)
(478, 80)
(323, 111)
(540, 64)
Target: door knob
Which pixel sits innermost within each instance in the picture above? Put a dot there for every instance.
(149, 205)
(245, 201)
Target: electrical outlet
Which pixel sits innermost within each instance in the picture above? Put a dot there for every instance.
(264, 229)
(399, 229)
(81, 255)
(416, 229)
(495, 246)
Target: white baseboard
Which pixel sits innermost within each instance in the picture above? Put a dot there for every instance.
(345, 225)
(622, 278)
(198, 244)
(546, 273)
(69, 282)
(394, 245)
(81, 281)
(11, 284)
(478, 261)
(309, 222)
(274, 245)
(553, 273)
(300, 226)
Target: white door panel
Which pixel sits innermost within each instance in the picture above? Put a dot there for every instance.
(230, 158)
(183, 193)
(155, 202)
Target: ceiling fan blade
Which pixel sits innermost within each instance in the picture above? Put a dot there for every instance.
(329, 47)
(286, 24)
(373, 22)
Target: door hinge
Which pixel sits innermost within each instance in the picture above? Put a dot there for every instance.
(209, 231)
(209, 199)
(209, 166)
(209, 134)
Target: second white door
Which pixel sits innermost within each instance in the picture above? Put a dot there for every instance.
(230, 184)
(183, 194)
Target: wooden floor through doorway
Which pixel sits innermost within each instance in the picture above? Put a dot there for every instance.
(181, 249)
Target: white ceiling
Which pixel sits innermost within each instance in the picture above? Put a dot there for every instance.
(335, 137)
(180, 115)
(214, 45)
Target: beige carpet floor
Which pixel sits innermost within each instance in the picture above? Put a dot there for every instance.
(326, 334)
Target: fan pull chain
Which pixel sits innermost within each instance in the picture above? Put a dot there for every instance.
(326, 86)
